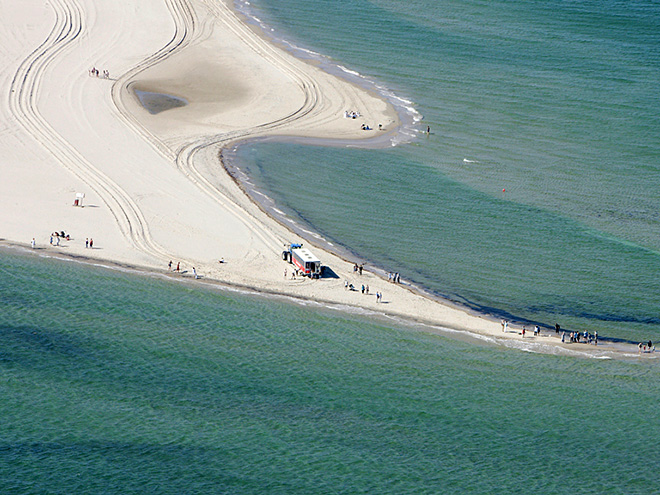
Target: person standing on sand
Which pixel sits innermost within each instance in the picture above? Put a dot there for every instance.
(285, 273)
(178, 267)
(523, 331)
(195, 273)
(563, 337)
(557, 328)
(169, 265)
(91, 243)
(33, 243)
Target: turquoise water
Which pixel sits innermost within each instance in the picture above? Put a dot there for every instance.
(117, 383)
(556, 102)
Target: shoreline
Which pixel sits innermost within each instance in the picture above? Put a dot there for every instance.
(409, 117)
(546, 343)
(161, 195)
(316, 239)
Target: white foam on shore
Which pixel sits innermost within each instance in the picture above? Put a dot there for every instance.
(408, 114)
(531, 345)
(314, 234)
(261, 194)
(352, 72)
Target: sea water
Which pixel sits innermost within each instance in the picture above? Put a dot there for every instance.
(535, 196)
(120, 382)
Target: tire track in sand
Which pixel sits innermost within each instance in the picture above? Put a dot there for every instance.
(311, 105)
(25, 87)
(185, 22)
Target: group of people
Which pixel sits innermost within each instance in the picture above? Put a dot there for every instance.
(351, 114)
(177, 269)
(94, 72)
(648, 347)
(365, 290)
(575, 337)
(55, 237)
(394, 278)
(537, 330)
(584, 338)
(358, 268)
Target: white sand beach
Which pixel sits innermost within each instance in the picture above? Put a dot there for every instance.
(155, 189)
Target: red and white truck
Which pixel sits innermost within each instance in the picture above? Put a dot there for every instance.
(303, 259)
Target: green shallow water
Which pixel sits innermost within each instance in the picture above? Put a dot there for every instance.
(117, 383)
(556, 102)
